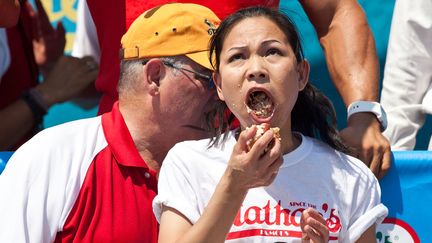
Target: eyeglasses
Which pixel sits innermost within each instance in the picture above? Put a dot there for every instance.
(207, 78)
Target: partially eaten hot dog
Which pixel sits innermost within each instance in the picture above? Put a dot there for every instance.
(261, 129)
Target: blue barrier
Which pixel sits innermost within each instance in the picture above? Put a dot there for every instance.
(407, 193)
(4, 157)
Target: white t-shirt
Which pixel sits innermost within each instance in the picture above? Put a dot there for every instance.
(314, 175)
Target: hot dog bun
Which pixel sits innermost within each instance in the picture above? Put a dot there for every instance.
(261, 129)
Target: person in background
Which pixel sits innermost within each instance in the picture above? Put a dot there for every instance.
(354, 68)
(93, 180)
(9, 12)
(407, 84)
(30, 47)
(287, 184)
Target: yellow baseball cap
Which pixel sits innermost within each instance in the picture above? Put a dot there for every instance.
(170, 30)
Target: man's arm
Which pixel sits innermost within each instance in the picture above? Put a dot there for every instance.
(348, 45)
(351, 58)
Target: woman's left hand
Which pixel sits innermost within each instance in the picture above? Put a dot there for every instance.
(313, 227)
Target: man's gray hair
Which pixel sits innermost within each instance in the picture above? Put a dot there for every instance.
(131, 71)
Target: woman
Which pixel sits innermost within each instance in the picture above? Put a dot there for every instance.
(277, 190)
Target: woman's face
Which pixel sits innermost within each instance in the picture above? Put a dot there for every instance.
(259, 78)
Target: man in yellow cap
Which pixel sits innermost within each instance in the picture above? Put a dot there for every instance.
(93, 180)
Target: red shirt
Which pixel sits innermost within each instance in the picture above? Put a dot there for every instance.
(82, 181)
(115, 200)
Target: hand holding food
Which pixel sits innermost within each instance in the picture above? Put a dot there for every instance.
(261, 129)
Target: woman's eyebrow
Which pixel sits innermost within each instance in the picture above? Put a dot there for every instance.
(267, 42)
(237, 48)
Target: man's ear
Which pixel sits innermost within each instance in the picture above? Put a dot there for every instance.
(154, 72)
(303, 69)
(218, 84)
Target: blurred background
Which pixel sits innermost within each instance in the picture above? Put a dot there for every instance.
(379, 14)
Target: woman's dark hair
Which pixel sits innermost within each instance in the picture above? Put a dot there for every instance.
(313, 114)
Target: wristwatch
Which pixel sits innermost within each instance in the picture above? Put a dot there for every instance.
(369, 106)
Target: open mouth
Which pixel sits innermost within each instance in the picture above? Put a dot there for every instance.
(260, 104)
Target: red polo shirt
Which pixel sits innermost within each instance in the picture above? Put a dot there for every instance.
(82, 181)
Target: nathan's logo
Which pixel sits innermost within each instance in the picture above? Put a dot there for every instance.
(274, 220)
(393, 230)
(212, 27)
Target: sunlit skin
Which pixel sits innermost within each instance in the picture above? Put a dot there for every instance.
(186, 93)
(257, 54)
(176, 103)
(179, 99)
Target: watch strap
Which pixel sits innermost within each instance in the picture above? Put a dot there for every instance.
(368, 106)
(36, 102)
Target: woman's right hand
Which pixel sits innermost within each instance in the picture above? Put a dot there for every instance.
(255, 167)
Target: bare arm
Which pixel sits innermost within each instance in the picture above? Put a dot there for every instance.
(69, 78)
(351, 57)
(17, 120)
(213, 225)
(348, 45)
(368, 236)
